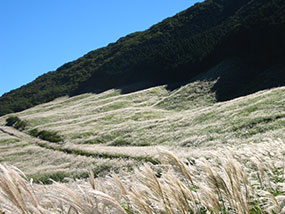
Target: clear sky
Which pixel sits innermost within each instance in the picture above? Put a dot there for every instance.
(38, 36)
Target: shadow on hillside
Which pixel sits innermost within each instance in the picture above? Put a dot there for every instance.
(234, 77)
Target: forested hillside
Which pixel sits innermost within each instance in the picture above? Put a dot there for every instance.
(177, 49)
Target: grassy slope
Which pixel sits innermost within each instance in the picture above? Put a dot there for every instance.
(42, 163)
(128, 126)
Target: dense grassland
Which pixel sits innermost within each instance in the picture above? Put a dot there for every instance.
(186, 116)
(116, 130)
(225, 164)
(234, 179)
(107, 151)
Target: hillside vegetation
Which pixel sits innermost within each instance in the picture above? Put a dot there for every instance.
(206, 84)
(223, 152)
(177, 49)
(111, 131)
(242, 179)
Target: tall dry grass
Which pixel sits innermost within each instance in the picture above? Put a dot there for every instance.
(247, 180)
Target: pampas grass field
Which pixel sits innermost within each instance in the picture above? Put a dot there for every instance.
(239, 179)
(114, 154)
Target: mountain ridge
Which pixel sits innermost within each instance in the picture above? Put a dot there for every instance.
(174, 50)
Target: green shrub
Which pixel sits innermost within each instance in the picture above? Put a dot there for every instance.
(46, 135)
(20, 125)
(16, 122)
(34, 133)
(10, 121)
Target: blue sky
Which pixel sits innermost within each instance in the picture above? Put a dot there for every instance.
(38, 36)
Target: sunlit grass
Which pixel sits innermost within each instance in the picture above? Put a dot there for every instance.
(241, 179)
(117, 132)
(166, 117)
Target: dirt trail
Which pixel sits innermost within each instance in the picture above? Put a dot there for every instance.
(106, 152)
(124, 150)
(21, 135)
(4, 130)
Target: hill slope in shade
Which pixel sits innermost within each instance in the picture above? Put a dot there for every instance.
(177, 49)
